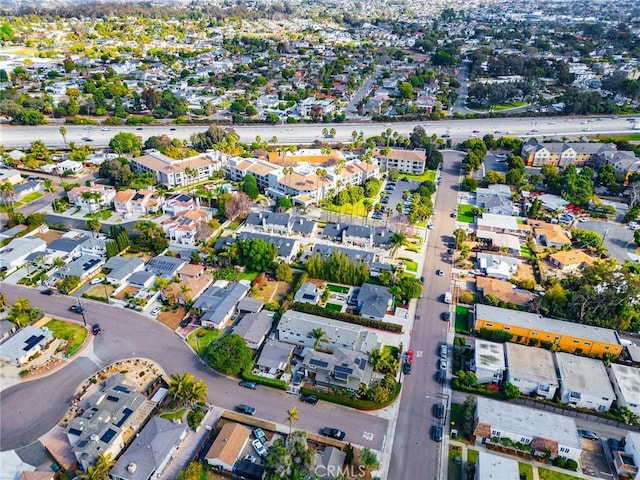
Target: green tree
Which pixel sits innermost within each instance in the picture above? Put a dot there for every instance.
(118, 171)
(319, 335)
(125, 142)
(460, 236)
(510, 390)
(469, 184)
(250, 186)
(63, 132)
(100, 470)
(229, 354)
(150, 237)
(369, 460)
(257, 254)
(493, 177)
(284, 203)
(179, 385)
(293, 415)
(293, 460)
(397, 240)
(283, 273)
(636, 237)
(68, 284)
(468, 416)
(93, 225)
(407, 288)
(193, 471)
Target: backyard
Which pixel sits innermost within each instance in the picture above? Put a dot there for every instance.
(356, 210)
(526, 469)
(411, 265)
(199, 339)
(99, 291)
(465, 213)
(427, 175)
(455, 465)
(462, 319)
(338, 288)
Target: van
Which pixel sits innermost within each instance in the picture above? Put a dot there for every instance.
(447, 297)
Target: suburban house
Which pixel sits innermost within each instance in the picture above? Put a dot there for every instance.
(532, 370)
(584, 382)
(101, 427)
(250, 305)
(496, 199)
(94, 246)
(193, 282)
(504, 291)
(10, 175)
(287, 247)
(130, 203)
(67, 247)
(14, 254)
(171, 173)
(568, 336)
(93, 198)
(625, 163)
(83, 267)
(404, 161)
(218, 303)
(142, 279)
(151, 450)
(164, 266)
(23, 189)
(626, 385)
(570, 260)
(25, 343)
(372, 259)
(502, 224)
(7, 329)
(180, 203)
(296, 327)
(360, 235)
(122, 268)
(329, 464)
(497, 266)
(550, 234)
(274, 358)
(503, 241)
(188, 227)
(254, 327)
(228, 446)
(374, 301)
(624, 467)
(488, 362)
(542, 430)
(69, 166)
(341, 368)
(308, 293)
(268, 222)
(490, 466)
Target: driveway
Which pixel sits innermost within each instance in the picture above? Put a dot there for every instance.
(618, 238)
(30, 409)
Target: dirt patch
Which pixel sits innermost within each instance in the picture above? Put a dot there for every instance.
(128, 289)
(48, 236)
(281, 292)
(99, 290)
(265, 290)
(172, 319)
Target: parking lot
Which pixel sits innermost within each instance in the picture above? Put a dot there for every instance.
(618, 238)
(393, 196)
(492, 161)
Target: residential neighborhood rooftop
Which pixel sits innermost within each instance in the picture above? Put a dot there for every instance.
(584, 375)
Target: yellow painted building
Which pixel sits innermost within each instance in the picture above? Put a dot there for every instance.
(568, 336)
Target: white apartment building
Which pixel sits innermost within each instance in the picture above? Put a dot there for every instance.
(172, 173)
(584, 382)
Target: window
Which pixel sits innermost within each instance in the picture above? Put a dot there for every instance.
(534, 334)
(564, 449)
(587, 343)
(507, 328)
(606, 347)
(489, 325)
(576, 341)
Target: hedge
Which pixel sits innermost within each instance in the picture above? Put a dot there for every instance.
(94, 297)
(354, 402)
(347, 317)
(269, 382)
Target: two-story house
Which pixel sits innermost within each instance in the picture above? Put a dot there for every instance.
(584, 382)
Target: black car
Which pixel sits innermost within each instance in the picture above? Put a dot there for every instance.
(453, 215)
(333, 433)
(312, 399)
(406, 368)
(249, 385)
(77, 309)
(436, 433)
(95, 328)
(48, 291)
(450, 251)
(588, 434)
(184, 322)
(445, 316)
(438, 410)
(247, 409)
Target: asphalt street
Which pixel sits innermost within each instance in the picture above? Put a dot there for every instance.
(22, 136)
(30, 409)
(415, 455)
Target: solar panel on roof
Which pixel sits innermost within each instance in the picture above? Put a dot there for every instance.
(120, 388)
(75, 431)
(343, 369)
(318, 363)
(341, 375)
(111, 398)
(126, 413)
(32, 341)
(82, 443)
(108, 436)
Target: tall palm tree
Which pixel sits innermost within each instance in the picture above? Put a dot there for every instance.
(293, 415)
(318, 334)
(397, 240)
(368, 207)
(100, 471)
(93, 225)
(90, 198)
(179, 385)
(63, 132)
(369, 460)
(7, 193)
(320, 173)
(196, 392)
(184, 288)
(23, 305)
(58, 262)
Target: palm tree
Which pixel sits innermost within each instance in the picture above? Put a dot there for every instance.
(397, 240)
(7, 193)
(93, 225)
(100, 471)
(196, 392)
(318, 334)
(3, 301)
(320, 173)
(368, 207)
(292, 416)
(184, 288)
(179, 385)
(58, 262)
(48, 185)
(90, 197)
(369, 460)
(63, 132)
(375, 358)
(22, 305)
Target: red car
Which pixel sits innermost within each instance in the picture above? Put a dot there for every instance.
(409, 356)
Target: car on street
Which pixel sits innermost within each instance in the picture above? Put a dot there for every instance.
(430, 226)
(172, 129)
(105, 129)
(445, 316)
(450, 251)
(249, 385)
(475, 131)
(442, 364)
(421, 279)
(95, 328)
(97, 280)
(312, 399)
(588, 434)
(583, 219)
(409, 356)
(87, 139)
(406, 368)
(259, 448)
(246, 409)
(156, 311)
(436, 433)
(438, 410)
(453, 215)
(47, 291)
(444, 351)
(440, 272)
(139, 128)
(77, 309)
(333, 433)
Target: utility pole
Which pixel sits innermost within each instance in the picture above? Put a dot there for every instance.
(81, 311)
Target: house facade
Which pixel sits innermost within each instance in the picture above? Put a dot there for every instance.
(626, 385)
(341, 368)
(93, 198)
(172, 173)
(584, 382)
(532, 370)
(399, 160)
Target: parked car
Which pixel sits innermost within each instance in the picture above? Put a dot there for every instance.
(445, 316)
(406, 368)
(77, 309)
(156, 311)
(97, 280)
(87, 139)
(440, 272)
(249, 385)
(453, 215)
(436, 433)
(444, 351)
(259, 448)
(588, 434)
(95, 328)
(312, 399)
(409, 356)
(184, 322)
(442, 364)
(333, 433)
(438, 410)
(246, 409)
(47, 291)
(251, 458)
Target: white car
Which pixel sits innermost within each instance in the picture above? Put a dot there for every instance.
(259, 448)
(96, 281)
(156, 311)
(583, 219)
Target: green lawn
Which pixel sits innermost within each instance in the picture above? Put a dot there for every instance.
(521, 222)
(390, 350)
(334, 307)
(178, 414)
(455, 469)
(251, 276)
(525, 251)
(546, 474)
(427, 175)
(337, 288)
(31, 197)
(411, 265)
(465, 213)
(102, 215)
(357, 210)
(472, 455)
(462, 319)
(508, 105)
(75, 335)
(526, 469)
(201, 342)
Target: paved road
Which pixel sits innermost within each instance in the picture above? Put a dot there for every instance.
(30, 409)
(415, 455)
(22, 136)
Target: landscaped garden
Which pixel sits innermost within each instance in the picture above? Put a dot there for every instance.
(333, 306)
(546, 474)
(201, 338)
(465, 213)
(74, 335)
(338, 288)
(461, 319)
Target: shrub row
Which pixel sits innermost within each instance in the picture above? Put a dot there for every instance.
(347, 317)
(269, 382)
(95, 297)
(354, 402)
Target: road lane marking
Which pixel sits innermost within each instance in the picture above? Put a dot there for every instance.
(418, 353)
(368, 436)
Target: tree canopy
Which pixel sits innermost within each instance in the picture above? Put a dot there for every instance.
(229, 354)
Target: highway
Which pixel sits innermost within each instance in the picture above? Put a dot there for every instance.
(22, 136)
(414, 454)
(30, 409)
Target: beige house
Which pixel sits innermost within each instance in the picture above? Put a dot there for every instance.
(228, 446)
